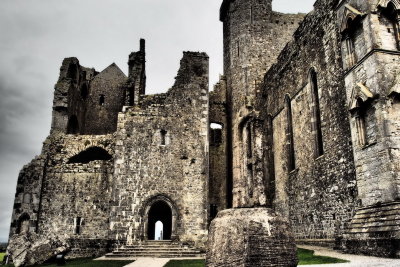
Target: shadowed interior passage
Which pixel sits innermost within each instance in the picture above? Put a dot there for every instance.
(160, 211)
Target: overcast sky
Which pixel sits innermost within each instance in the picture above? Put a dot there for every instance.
(35, 36)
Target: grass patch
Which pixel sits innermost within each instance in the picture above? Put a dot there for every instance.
(307, 257)
(186, 263)
(87, 262)
(2, 256)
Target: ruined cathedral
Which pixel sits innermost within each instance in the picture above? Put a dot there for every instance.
(305, 122)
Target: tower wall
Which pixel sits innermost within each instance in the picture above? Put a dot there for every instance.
(253, 37)
(314, 184)
(372, 82)
(162, 155)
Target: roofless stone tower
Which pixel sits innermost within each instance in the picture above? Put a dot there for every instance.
(251, 45)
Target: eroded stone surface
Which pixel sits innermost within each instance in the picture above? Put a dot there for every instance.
(250, 237)
(31, 249)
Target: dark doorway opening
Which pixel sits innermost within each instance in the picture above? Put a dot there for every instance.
(160, 211)
(73, 125)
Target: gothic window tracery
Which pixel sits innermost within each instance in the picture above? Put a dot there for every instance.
(351, 30)
(362, 110)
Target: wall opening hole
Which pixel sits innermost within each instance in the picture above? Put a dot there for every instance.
(159, 231)
(90, 154)
(73, 125)
(163, 135)
(84, 91)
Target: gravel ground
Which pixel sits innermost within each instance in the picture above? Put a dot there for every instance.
(355, 260)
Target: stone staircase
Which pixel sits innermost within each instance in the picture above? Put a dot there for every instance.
(155, 249)
(382, 218)
(374, 230)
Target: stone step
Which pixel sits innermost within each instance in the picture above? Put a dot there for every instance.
(157, 249)
(387, 220)
(193, 255)
(153, 246)
(155, 252)
(152, 249)
(376, 219)
(379, 209)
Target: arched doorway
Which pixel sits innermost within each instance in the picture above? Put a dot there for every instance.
(159, 211)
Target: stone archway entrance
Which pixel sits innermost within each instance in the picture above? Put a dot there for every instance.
(159, 208)
(159, 211)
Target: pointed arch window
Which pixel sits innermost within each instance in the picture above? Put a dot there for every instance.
(291, 161)
(316, 115)
(361, 108)
(350, 40)
(351, 30)
(390, 18)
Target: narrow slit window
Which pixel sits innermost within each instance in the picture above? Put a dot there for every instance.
(360, 124)
(289, 135)
(249, 141)
(251, 14)
(163, 135)
(78, 224)
(316, 115)
(101, 100)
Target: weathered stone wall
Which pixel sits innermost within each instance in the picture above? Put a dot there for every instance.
(106, 98)
(376, 69)
(250, 237)
(162, 154)
(27, 197)
(253, 37)
(87, 102)
(77, 190)
(319, 195)
(219, 192)
(372, 82)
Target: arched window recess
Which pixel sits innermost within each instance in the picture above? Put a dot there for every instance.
(90, 154)
(359, 104)
(350, 19)
(351, 22)
(389, 12)
(316, 127)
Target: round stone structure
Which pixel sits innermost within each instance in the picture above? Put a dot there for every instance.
(250, 237)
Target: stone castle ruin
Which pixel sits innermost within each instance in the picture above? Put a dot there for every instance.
(300, 140)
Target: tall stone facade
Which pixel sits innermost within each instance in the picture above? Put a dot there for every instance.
(301, 133)
(117, 160)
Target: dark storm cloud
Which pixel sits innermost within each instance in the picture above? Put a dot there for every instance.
(35, 35)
